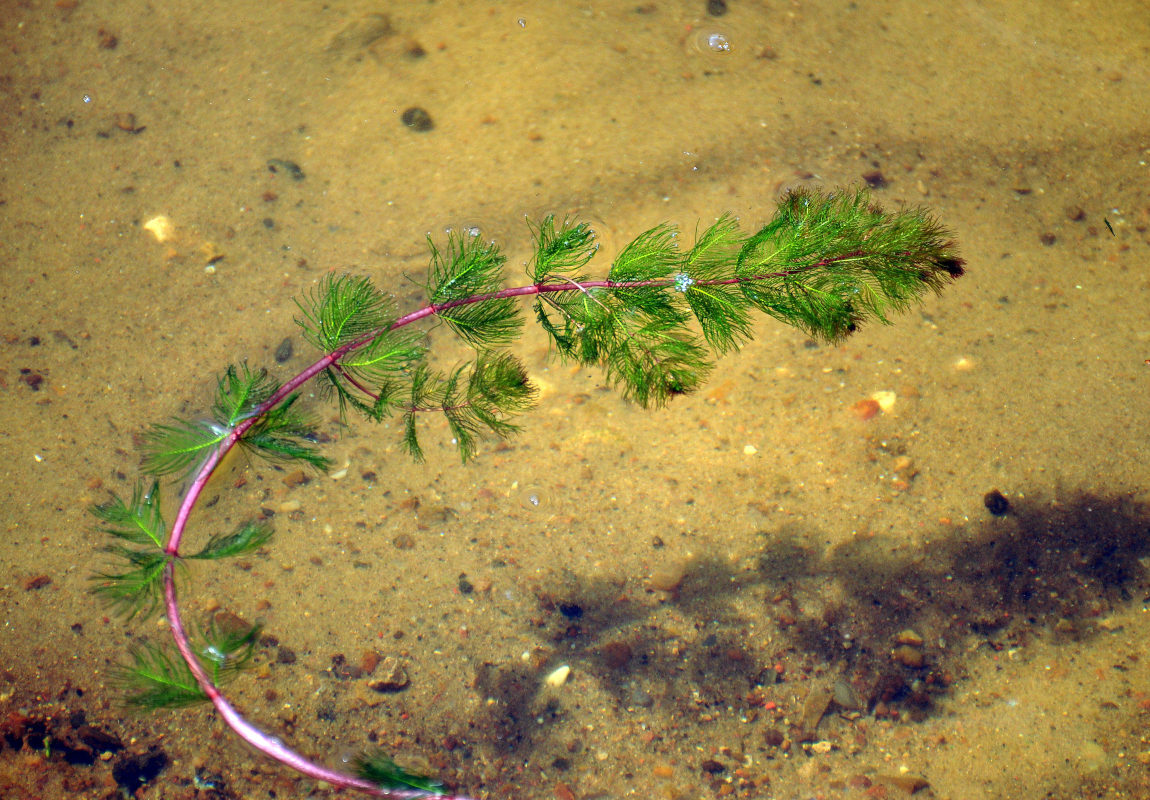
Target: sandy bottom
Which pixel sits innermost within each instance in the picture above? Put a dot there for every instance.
(762, 591)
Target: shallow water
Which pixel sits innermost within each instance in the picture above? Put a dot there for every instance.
(802, 545)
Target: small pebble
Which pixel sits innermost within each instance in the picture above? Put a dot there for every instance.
(885, 400)
(908, 637)
(394, 677)
(126, 121)
(296, 478)
(908, 656)
(289, 506)
(668, 578)
(417, 119)
(866, 409)
(558, 677)
(996, 503)
(284, 351)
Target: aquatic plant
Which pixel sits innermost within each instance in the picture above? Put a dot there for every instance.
(825, 264)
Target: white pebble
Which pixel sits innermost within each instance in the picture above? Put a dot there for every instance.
(558, 677)
(885, 400)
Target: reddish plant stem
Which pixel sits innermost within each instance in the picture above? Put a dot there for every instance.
(265, 743)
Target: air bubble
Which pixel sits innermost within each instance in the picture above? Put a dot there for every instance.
(709, 40)
(532, 497)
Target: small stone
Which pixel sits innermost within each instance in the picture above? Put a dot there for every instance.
(296, 478)
(161, 227)
(669, 577)
(288, 506)
(996, 503)
(369, 661)
(908, 637)
(284, 351)
(394, 677)
(558, 677)
(885, 400)
(866, 409)
(417, 119)
(126, 121)
(907, 782)
(908, 656)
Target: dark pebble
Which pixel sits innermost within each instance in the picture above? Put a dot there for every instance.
(285, 655)
(269, 223)
(716, 8)
(874, 180)
(995, 503)
(99, 740)
(132, 772)
(571, 610)
(773, 737)
(465, 586)
(284, 351)
(31, 378)
(290, 167)
(39, 582)
(417, 119)
(1048, 239)
(712, 767)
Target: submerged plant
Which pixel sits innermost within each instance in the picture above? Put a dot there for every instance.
(825, 264)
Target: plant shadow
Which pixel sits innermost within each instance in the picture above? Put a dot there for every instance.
(890, 623)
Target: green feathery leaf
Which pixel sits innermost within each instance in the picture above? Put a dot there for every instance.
(474, 402)
(706, 282)
(469, 268)
(178, 446)
(657, 359)
(139, 521)
(239, 392)
(561, 253)
(827, 263)
(377, 767)
(138, 587)
(282, 435)
(248, 538)
(227, 647)
(157, 679)
(135, 585)
(342, 309)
